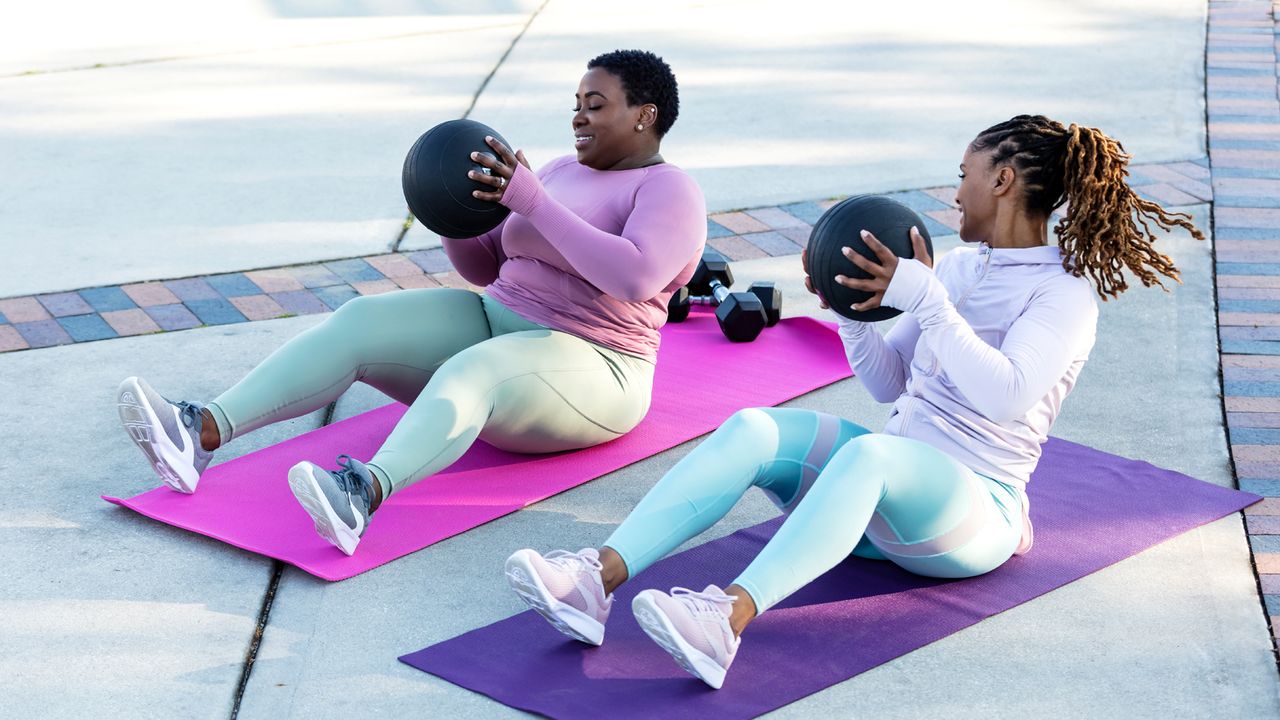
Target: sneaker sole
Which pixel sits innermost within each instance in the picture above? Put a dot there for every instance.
(328, 525)
(144, 428)
(658, 627)
(565, 618)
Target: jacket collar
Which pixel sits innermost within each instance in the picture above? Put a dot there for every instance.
(1041, 255)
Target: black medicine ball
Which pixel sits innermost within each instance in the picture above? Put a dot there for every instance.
(841, 226)
(436, 184)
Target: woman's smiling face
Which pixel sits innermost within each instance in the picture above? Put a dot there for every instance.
(604, 125)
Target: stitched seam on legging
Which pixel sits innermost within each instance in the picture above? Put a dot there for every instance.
(574, 407)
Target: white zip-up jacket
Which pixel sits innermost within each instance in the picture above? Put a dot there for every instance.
(990, 344)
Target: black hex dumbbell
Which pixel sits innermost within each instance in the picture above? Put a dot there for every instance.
(741, 315)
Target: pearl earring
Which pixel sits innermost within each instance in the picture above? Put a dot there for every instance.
(639, 127)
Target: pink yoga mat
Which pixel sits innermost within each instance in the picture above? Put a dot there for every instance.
(702, 378)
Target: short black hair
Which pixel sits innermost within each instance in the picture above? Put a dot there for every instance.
(646, 78)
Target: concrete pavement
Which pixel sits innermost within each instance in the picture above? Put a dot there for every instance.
(273, 136)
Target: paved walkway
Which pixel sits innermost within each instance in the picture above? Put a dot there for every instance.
(208, 130)
(1244, 157)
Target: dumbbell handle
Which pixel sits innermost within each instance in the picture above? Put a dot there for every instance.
(719, 291)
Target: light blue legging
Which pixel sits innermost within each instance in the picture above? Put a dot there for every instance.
(846, 490)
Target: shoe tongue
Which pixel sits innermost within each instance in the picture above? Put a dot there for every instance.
(715, 591)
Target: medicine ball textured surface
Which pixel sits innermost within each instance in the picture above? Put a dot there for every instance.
(841, 226)
(436, 185)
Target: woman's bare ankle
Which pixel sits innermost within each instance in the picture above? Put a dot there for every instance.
(614, 571)
(210, 438)
(744, 609)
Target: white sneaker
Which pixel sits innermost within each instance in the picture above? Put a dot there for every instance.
(693, 627)
(565, 588)
(168, 433)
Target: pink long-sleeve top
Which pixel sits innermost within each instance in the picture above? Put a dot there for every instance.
(591, 252)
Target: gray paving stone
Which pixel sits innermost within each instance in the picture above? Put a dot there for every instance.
(108, 613)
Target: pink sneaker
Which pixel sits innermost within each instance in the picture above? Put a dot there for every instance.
(693, 627)
(565, 588)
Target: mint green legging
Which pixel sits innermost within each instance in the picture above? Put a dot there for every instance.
(846, 491)
(467, 367)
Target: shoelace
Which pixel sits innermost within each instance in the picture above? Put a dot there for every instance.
(349, 478)
(190, 414)
(572, 560)
(702, 602)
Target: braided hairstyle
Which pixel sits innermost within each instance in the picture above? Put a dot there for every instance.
(1107, 226)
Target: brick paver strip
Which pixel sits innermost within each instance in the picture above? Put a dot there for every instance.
(1263, 525)
(85, 328)
(354, 270)
(274, 280)
(1253, 420)
(1166, 194)
(735, 248)
(740, 222)
(233, 285)
(64, 304)
(432, 261)
(299, 302)
(335, 296)
(772, 242)
(43, 333)
(11, 339)
(776, 218)
(215, 311)
(151, 293)
(172, 317)
(374, 287)
(314, 276)
(23, 309)
(452, 279)
(798, 235)
(130, 322)
(258, 307)
(1267, 562)
(1268, 506)
(189, 289)
(394, 266)
(411, 282)
(1234, 318)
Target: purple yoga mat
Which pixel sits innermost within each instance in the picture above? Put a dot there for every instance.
(701, 379)
(1090, 510)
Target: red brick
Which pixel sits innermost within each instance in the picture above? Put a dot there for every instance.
(739, 222)
(23, 309)
(394, 265)
(134, 321)
(1251, 404)
(735, 248)
(1265, 507)
(1270, 582)
(1267, 562)
(1248, 281)
(1263, 525)
(1251, 361)
(411, 282)
(1230, 319)
(274, 280)
(775, 218)
(1236, 217)
(150, 294)
(258, 307)
(374, 287)
(11, 340)
(1255, 453)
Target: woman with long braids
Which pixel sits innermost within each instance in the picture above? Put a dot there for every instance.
(990, 343)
